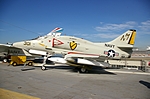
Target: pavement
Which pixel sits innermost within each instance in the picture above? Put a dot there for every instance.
(64, 82)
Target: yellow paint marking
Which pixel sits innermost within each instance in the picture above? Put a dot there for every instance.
(41, 44)
(6, 94)
(132, 38)
(73, 45)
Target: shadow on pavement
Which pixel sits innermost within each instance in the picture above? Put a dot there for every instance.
(145, 83)
(94, 70)
(25, 69)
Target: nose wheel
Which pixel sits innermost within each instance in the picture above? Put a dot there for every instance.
(43, 68)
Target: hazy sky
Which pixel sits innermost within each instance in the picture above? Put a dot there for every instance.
(94, 20)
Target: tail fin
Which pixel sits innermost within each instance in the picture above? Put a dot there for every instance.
(126, 40)
(56, 32)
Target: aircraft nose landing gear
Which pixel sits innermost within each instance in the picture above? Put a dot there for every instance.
(44, 61)
(43, 68)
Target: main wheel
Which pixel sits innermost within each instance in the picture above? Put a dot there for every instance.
(83, 70)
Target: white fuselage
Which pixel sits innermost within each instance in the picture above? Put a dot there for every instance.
(71, 45)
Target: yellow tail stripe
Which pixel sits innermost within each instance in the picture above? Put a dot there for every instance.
(132, 38)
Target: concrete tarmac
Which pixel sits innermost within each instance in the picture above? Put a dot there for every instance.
(64, 82)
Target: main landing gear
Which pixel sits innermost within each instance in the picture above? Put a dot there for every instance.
(84, 69)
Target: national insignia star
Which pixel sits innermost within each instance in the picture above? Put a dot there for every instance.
(111, 54)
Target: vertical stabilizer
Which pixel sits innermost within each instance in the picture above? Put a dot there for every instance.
(56, 32)
(125, 40)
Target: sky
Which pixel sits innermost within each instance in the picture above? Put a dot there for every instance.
(94, 20)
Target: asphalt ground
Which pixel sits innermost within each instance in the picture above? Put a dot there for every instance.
(64, 82)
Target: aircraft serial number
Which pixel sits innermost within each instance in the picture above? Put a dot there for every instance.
(125, 37)
(27, 43)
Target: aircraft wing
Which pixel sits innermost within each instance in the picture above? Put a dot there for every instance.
(82, 55)
(11, 50)
(89, 56)
(4, 47)
(84, 59)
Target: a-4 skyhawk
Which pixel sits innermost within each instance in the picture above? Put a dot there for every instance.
(77, 51)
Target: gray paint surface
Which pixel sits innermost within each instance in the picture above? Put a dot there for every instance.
(63, 82)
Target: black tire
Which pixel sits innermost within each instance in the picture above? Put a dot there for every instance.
(14, 64)
(30, 64)
(5, 60)
(83, 70)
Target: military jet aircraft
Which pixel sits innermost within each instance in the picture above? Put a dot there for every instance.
(77, 51)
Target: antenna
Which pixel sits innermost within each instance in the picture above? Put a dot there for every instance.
(19, 27)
